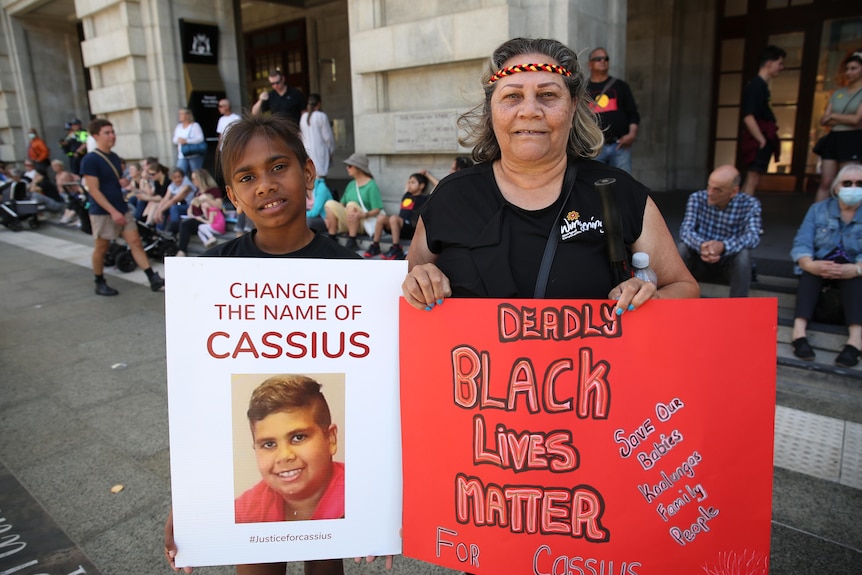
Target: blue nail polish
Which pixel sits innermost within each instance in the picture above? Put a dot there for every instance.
(428, 308)
(620, 311)
(631, 307)
(439, 302)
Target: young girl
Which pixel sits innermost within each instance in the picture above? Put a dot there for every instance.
(212, 221)
(403, 224)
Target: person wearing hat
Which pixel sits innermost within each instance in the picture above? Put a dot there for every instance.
(74, 145)
(360, 203)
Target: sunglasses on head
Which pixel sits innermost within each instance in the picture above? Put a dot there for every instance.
(851, 183)
(600, 59)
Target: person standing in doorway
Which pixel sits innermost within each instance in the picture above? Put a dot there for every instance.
(282, 99)
(759, 140)
(110, 216)
(228, 117)
(614, 104)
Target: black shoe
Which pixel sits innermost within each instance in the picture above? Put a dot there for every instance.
(373, 250)
(394, 253)
(848, 357)
(802, 349)
(102, 288)
(157, 282)
(352, 244)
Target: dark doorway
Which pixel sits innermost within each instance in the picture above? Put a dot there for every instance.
(281, 47)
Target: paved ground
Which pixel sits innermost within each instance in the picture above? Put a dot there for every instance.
(83, 408)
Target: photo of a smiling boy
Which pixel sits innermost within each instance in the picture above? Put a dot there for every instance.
(294, 441)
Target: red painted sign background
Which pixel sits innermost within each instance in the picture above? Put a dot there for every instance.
(551, 437)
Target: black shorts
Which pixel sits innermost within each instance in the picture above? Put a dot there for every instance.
(761, 159)
(842, 147)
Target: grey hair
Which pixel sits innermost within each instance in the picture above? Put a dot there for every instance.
(585, 137)
(839, 177)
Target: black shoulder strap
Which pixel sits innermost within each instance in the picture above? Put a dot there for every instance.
(554, 235)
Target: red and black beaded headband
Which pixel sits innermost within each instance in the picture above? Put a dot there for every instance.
(529, 68)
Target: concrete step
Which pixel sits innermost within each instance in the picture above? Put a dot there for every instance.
(826, 339)
(781, 289)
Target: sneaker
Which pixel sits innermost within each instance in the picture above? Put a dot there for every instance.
(102, 288)
(394, 253)
(210, 242)
(352, 244)
(373, 250)
(848, 357)
(157, 282)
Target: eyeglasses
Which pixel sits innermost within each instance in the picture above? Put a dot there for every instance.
(851, 183)
(600, 59)
(151, 174)
(276, 83)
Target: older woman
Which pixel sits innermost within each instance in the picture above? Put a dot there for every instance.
(485, 229)
(188, 131)
(828, 246)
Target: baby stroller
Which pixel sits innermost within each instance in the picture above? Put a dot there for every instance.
(157, 244)
(13, 213)
(77, 201)
(16, 208)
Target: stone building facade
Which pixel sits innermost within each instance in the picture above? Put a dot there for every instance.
(393, 75)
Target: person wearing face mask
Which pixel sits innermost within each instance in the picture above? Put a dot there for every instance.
(37, 150)
(827, 248)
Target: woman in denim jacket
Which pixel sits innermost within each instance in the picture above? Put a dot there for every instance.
(828, 246)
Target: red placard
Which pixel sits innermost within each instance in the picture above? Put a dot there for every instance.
(553, 437)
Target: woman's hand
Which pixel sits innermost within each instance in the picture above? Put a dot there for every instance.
(170, 545)
(425, 286)
(828, 269)
(632, 294)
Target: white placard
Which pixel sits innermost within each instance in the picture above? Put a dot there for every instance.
(428, 131)
(233, 322)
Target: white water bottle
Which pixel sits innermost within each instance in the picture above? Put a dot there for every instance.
(640, 262)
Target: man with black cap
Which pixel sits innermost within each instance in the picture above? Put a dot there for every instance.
(74, 145)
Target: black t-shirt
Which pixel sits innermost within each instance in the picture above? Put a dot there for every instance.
(291, 104)
(160, 189)
(319, 248)
(488, 247)
(755, 100)
(616, 107)
(411, 207)
(96, 164)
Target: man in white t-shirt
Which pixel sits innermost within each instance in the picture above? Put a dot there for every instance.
(227, 118)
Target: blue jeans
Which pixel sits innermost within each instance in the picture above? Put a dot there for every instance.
(188, 165)
(174, 216)
(619, 158)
